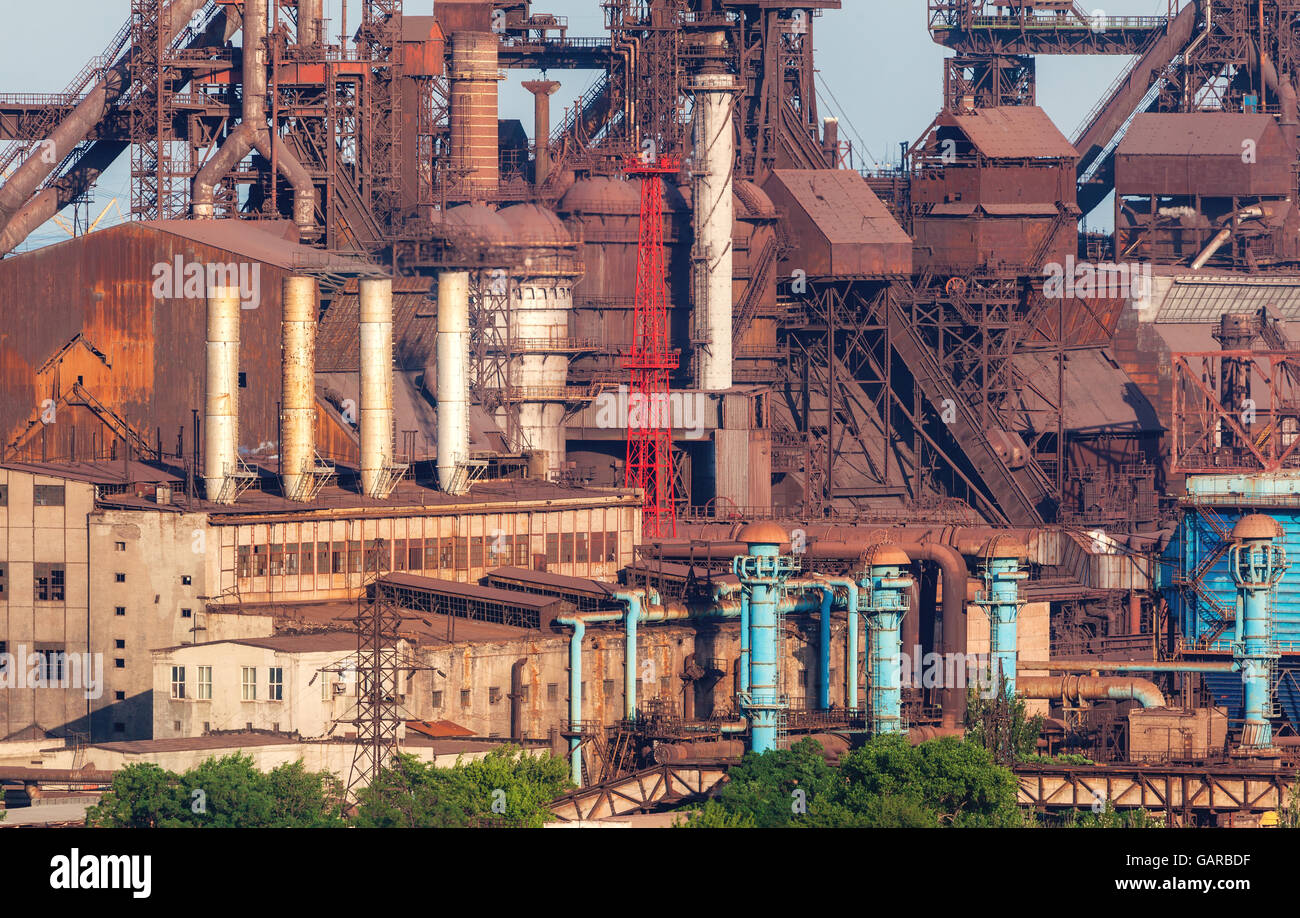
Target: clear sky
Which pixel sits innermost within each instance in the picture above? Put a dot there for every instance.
(876, 60)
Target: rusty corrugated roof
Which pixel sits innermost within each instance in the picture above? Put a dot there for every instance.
(843, 206)
(438, 729)
(272, 242)
(1193, 133)
(1013, 132)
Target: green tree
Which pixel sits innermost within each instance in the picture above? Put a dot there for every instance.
(1001, 725)
(142, 796)
(1288, 815)
(770, 790)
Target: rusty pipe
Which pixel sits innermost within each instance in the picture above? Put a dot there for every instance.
(517, 699)
(1074, 689)
(90, 111)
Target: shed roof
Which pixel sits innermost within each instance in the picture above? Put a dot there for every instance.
(1013, 132)
(1193, 133)
(843, 206)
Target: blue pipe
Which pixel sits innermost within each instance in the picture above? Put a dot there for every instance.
(763, 573)
(633, 600)
(744, 642)
(885, 591)
(1257, 563)
(1000, 601)
(575, 696)
(824, 657)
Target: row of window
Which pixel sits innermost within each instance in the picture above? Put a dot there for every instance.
(459, 553)
(247, 683)
(49, 582)
(42, 495)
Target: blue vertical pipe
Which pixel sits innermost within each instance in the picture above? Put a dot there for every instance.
(763, 573)
(744, 642)
(824, 656)
(1258, 563)
(631, 619)
(575, 699)
(1000, 600)
(884, 598)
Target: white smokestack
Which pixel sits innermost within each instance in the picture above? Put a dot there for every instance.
(715, 154)
(376, 295)
(221, 412)
(298, 405)
(453, 374)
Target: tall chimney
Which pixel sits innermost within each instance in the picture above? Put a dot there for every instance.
(298, 403)
(831, 142)
(474, 141)
(310, 14)
(376, 415)
(221, 412)
(453, 374)
(715, 155)
(542, 90)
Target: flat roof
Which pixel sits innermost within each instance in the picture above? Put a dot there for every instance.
(469, 590)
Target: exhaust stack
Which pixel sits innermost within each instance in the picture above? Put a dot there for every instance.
(376, 414)
(453, 375)
(221, 411)
(474, 143)
(714, 217)
(298, 406)
(310, 14)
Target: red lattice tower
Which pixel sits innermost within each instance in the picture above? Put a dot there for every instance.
(649, 427)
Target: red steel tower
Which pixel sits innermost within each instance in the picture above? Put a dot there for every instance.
(649, 422)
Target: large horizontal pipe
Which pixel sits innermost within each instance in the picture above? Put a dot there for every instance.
(1074, 689)
(1127, 666)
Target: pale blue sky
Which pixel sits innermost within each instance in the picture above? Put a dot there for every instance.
(876, 57)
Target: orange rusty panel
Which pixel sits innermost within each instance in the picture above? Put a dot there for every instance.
(152, 369)
(424, 47)
(295, 74)
(333, 440)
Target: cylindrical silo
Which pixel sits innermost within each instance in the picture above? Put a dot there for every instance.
(298, 403)
(376, 408)
(221, 410)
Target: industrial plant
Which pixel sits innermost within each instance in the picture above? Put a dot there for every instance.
(656, 429)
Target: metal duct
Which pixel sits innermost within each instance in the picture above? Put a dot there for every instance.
(47, 155)
(221, 411)
(714, 218)
(453, 375)
(253, 132)
(1074, 689)
(376, 410)
(474, 139)
(298, 405)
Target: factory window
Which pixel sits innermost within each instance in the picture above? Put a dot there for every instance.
(354, 556)
(4, 579)
(462, 553)
(611, 546)
(552, 548)
(445, 554)
(306, 557)
(205, 683)
(119, 696)
(494, 695)
(399, 554)
(552, 691)
(291, 558)
(610, 687)
(186, 580)
(259, 560)
(119, 610)
(521, 551)
(597, 547)
(338, 558)
(187, 613)
(4, 495)
(566, 548)
(176, 725)
(275, 683)
(119, 546)
(248, 683)
(581, 554)
(49, 582)
(243, 380)
(322, 557)
(244, 567)
(437, 700)
(414, 554)
(119, 727)
(119, 663)
(121, 644)
(464, 698)
(119, 577)
(476, 558)
(4, 657)
(377, 556)
(178, 681)
(48, 495)
(803, 678)
(277, 559)
(500, 548)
